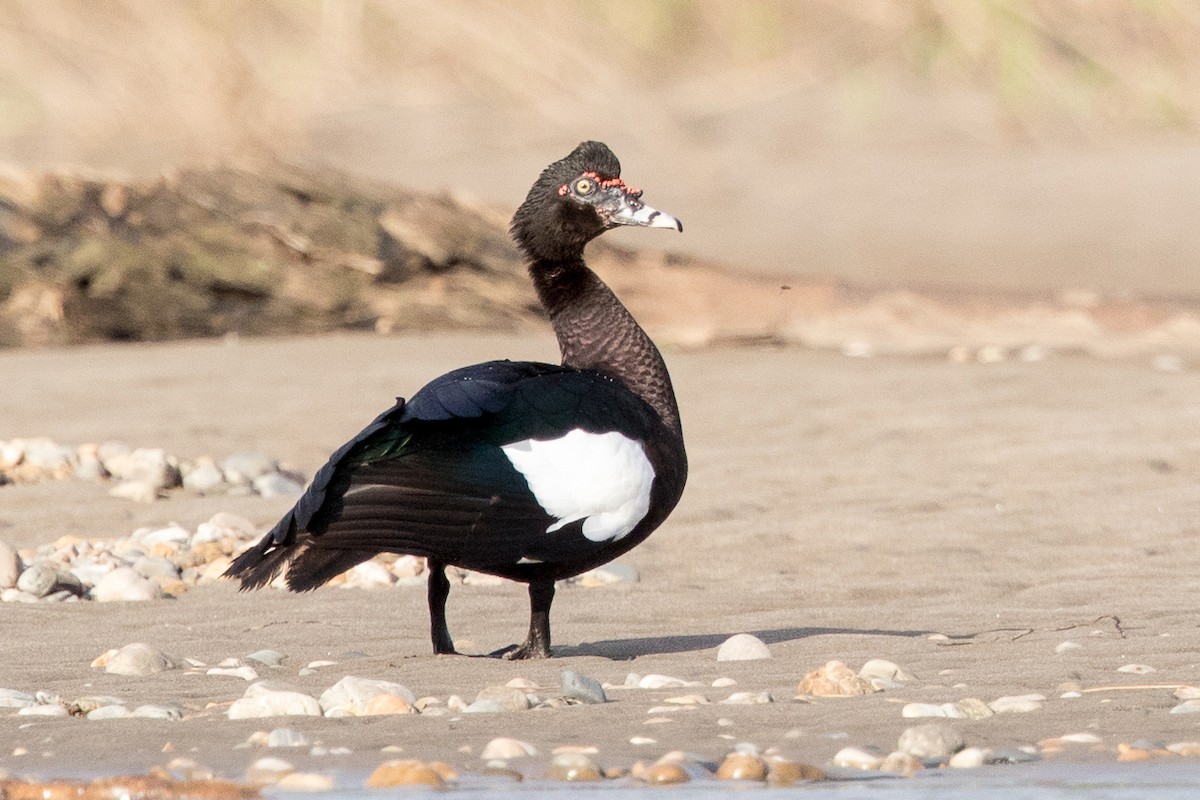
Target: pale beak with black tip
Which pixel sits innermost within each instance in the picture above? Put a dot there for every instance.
(622, 207)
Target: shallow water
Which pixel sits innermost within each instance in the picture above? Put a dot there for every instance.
(1161, 781)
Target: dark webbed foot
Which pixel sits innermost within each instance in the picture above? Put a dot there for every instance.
(537, 644)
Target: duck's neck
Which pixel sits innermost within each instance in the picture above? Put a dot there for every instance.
(595, 331)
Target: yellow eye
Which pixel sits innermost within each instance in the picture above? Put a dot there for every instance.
(584, 186)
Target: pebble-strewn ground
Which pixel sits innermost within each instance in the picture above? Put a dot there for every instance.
(882, 566)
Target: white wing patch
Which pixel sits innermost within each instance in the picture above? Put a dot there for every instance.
(601, 478)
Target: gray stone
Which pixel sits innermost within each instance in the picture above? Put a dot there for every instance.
(582, 688)
(158, 711)
(139, 659)
(246, 466)
(1187, 707)
(203, 476)
(150, 566)
(43, 710)
(510, 699)
(930, 741)
(38, 579)
(276, 484)
(11, 698)
(10, 565)
(270, 658)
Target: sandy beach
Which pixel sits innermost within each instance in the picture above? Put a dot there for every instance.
(838, 508)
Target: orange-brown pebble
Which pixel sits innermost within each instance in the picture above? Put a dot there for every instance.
(382, 704)
(144, 787)
(573, 767)
(404, 772)
(834, 679)
(664, 775)
(786, 773)
(742, 767)
(449, 774)
(1127, 752)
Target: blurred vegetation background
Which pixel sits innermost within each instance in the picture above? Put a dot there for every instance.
(1024, 144)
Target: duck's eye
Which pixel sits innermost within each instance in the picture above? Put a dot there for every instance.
(584, 186)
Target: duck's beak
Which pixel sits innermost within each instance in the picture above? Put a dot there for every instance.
(626, 208)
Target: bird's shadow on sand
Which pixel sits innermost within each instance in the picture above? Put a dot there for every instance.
(625, 649)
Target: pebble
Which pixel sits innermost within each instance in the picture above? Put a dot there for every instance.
(1190, 749)
(137, 660)
(287, 737)
(742, 767)
(85, 705)
(202, 476)
(264, 699)
(137, 491)
(969, 758)
(901, 763)
(1066, 647)
(124, 584)
(1137, 669)
(1187, 693)
(269, 658)
(276, 484)
(353, 696)
(582, 688)
(38, 580)
(43, 710)
(974, 708)
(785, 773)
(10, 565)
(856, 758)
(743, 647)
(834, 679)
(930, 741)
(503, 748)
(917, 710)
(405, 772)
(158, 711)
(575, 767)
(660, 774)
(245, 673)
(268, 770)
(506, 698)
(748, 699)
(722, 683)
(880, 669)
(369, 575)
(108, 712)
(304, 782)
(1187, 707)
(1018, 704)
(245, 466)
(657, 682)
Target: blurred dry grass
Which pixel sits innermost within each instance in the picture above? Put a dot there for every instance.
(1013, 143)
(140, 82)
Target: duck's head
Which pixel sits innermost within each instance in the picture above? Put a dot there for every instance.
(575, 200)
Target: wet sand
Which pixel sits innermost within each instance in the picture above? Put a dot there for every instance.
(837, 508)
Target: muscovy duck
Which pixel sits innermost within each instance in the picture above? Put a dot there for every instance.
(533, 472)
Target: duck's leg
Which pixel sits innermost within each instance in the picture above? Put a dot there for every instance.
(439, 590)
(537, 644)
